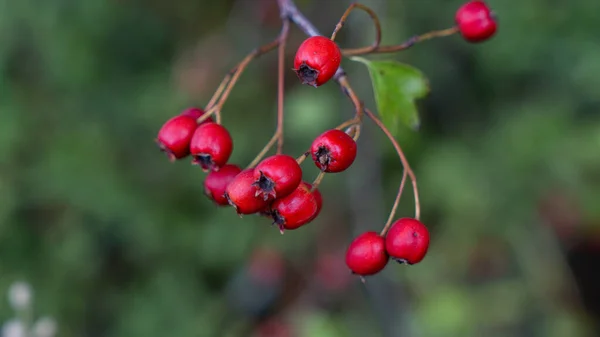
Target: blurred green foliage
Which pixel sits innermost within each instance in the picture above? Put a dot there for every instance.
(116, 241)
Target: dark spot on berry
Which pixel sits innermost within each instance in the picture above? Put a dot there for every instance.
(415, 234)
(400, 261)
(323, 157)
(265, 185)
(204, 160)
(307, 74)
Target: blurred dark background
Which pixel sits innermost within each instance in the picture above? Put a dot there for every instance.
(116, 241)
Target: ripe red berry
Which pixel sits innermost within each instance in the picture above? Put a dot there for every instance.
(216, 182)
(318, 197)
(277, 176)
(475, 21)
(295, 209)
(241, 194)
(175, 135)
(317, 60)
(333, 151)
(407, 241)
(366, 254)
(211, 146)
(195, 113)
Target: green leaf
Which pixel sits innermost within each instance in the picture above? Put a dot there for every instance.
(397, 86)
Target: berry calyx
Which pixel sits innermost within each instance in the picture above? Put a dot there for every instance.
(317, 60)
(211, 146)
(407, 241)
(295, 209)
(333, 151)
(175, 135)
(277, 176)
(366, 255)
(475, 21)
(216, 182)
(318, 198)
(241, 194)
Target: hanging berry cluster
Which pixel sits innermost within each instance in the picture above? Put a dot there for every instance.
(274, 186)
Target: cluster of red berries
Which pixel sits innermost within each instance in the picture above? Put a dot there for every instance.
(273, 188)
(407, 241)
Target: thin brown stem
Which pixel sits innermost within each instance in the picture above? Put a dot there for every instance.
(235, 73)
(264, 151)
(317, 181)
(405, 45)
(373, 16)
(281, 82)
(405, 163)
(390, 219)
(219, 90)
(303, 157)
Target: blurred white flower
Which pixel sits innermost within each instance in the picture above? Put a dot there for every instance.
(13, 328)
(44, 327)
(19, 295)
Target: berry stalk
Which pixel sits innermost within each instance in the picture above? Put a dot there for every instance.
(281, 82)
(373, 16)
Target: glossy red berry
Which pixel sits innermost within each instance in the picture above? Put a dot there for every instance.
(318, 198)
(175, 135)
(241, 194)
(277, 176)
(317, 60)
(196, 113)
(295, 209)
(333, 151)
(366, 254)
(216, 182)
(407, 241)
(475, 21)
(211, 146)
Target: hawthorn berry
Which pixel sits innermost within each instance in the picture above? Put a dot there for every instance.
(333, 151)
(175, 135)
(216, 182)
(366, 255)
(475, 21)
(211, 146)
(241, 194)
(277, 176)
(295, 209)
(196, 113)
(318, 198)
(407, 241)
(317, 60)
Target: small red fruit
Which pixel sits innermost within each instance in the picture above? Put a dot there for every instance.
(475, 21)
(318, 198)
(317, 60)
(407, 241)
(196, 113)
(216, 182)
(333, 151)
(277, 176)
(366, 254)
(295, 209)
(240, 193)
(211, 146)
(175, 135)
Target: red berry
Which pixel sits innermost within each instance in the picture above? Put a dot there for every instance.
(333, 151)
(295, 209)
(277, 176)
(317, 60)
(366, 254)
(175, 135)
(407, 241)
(216, 182)
(318, 198)
(240, 193)
(196, 113)
(211, 146)
(476, 21)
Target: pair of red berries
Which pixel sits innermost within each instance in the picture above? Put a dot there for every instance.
(407, 241)
(209, 143)
(476, 21)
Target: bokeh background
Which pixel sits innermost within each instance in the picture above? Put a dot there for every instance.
(116, 241)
